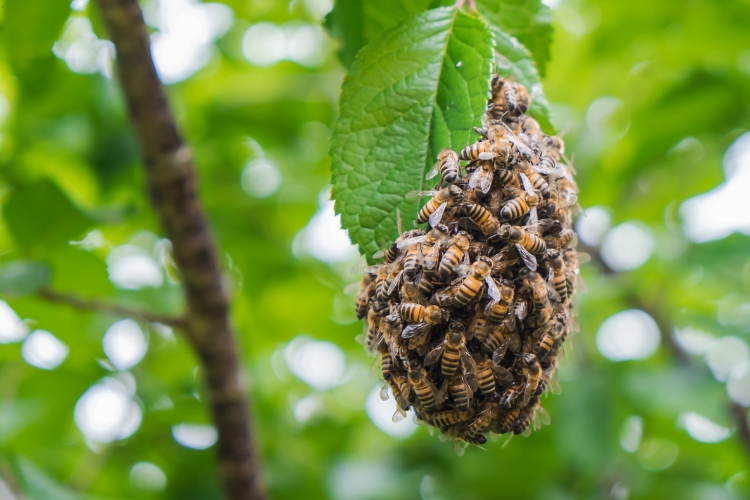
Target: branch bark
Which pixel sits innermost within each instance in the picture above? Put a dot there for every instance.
(172, 187)
(84, 304)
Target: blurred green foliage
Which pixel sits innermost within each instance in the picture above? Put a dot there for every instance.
(633, 79)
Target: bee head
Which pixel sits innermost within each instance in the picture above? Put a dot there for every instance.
(529, 359)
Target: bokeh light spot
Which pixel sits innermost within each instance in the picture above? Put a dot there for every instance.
(702, 429)
(260, 178)
(12, 329)
(43, 350)
(146, 476)
(592, 225)
(107, 412)
(628, 246)
(630, 334)
(318, 363)
(197, 437)
(125, 344)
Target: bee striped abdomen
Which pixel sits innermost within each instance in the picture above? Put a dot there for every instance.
(533, 243)
(497, 312)
(386, 365)
(447, 418)
(505, 421)
(546, 344)
(412, 262)
(470, 288)
(515, 208)
(412, 313)
(472, 152)
(486, 381)
(450, 260)
(459, 392)
(425, 395)
(539, 183)
(450, 361)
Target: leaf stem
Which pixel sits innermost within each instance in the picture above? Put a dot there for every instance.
(172, 186)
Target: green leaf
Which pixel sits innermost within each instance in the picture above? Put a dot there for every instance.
(31, 28)
(23, 277)
(513, 59)
(530, 21)
(40, 215)
(419, 87)
(354, 22)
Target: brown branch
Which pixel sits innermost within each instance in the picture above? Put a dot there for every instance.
(84, 304)
(173, 189)
(739, 414)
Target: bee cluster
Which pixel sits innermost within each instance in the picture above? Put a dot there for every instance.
(469, 313)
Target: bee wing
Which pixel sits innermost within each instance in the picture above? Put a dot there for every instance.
(475, 177)
(434, 354)
(554, 385)
(418, 194)
(526, 432)
(502, 373)
(414, 330)
(527, 258)
(540, 331)
(458, 447)
(373, 349)
(395, 282)
(543, 415)
(490, 305)
(527, 393)
(545, 224)
(411, 241)
(384, 392)
(499, 353)
(433, 171)
(527, 185)
(437, 215)
(521, 309)
(353, 288)
(492, 289)
(510, 320)
(398, 415)
(552, 293)
(470, 367)
(533, 218)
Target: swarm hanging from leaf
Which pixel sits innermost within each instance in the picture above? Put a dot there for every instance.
(470, 312)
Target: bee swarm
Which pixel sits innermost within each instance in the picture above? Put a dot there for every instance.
(469, 313)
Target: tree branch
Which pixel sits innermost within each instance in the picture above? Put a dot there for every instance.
(84, 304)
(173, 190)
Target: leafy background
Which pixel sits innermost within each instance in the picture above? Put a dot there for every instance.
(655, 94)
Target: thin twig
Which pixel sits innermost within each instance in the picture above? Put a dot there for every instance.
(739, 414)
(85, 304)
(172, 186)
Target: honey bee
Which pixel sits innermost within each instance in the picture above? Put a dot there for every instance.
(448, 418)
(366, 292)
(423, 319)
(566, 238)
(400, 389)
(373, 333)
(510, 395)
(386, 361)
(460, 391)
(481, 423)
(504, 422)
(539, 183)
(533, 411)
(526, 242)
(508, 98)
(434, 209)
(500, 150)
(533, 372)
(557, 265)
(497, 309)
(472, 284)
(431, 249)
(479, 328)
(498, 341)
(487, 222)
(487, 372)
(447, 165)
(543, 292)
(454, 255)
(426, 393)
(519, 205)
(445, 297)
(482, 176)
(452, 352)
